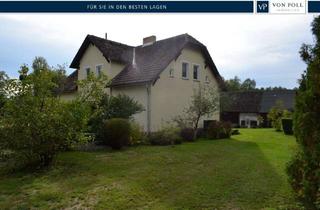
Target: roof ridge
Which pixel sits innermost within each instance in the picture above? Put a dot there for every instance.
(108, 40)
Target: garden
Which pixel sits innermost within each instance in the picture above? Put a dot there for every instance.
(246, 171)
(89, 153)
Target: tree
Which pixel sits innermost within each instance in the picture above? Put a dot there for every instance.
(304, 168)
(233, 84)
(275, 115)
(35, 124)
(3, 78)
(204, 102)
(248, 84)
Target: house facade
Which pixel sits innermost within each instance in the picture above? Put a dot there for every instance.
(161, 75)
(244, 108)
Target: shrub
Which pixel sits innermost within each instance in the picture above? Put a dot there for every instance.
(166, 136)
(235, 132)
(287, 126)
(187, 134)
(219, 130)
(117, 133)
(201, 133)
(120, 106)
(136, 134)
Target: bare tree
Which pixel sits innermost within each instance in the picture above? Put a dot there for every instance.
(204, 102)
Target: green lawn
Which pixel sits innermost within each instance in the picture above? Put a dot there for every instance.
(245, 172)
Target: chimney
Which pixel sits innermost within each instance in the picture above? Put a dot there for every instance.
(149, 40)
(106, 35)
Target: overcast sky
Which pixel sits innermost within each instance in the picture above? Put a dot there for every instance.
(262, 47)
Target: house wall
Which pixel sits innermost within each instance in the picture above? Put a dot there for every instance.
(93, 57)
(171, 95)
(247, 117)
(138, 93)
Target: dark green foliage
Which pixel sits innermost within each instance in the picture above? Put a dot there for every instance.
(3, 79)
(304, 169)
(276, 113)
(235, 84)
(187, 134)
(201, 133)
(35, 125)
(137, 136)
(120, 106)
(166, 136)
(235, 132)
(117, 133)
(287, 126)
(219, 130)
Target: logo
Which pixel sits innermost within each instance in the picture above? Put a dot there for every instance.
(282, 6)
(262, 6)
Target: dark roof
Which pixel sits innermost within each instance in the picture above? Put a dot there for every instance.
(269, 99)
(244, 101)
(71, 82)
(150, 60)
(112, 51)
(256, 101)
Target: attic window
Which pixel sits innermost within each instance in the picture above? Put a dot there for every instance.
(87, 71)
(171, 73)
(185, 67)
(196, 72)
(99, 70)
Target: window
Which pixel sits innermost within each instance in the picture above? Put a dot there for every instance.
(185, 67)
(196, 72)
(99, 70)
(88, 71)
(171, 73)
(207, 79)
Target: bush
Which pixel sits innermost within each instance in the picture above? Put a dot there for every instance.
(166, 136)
(117, 133)
(120, 106)
(187, 134)
(235, 132)
(201, 133)
(136, 134)
(36, 135)
(219, 130)
(287, 126)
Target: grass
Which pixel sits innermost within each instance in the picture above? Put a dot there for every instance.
(245, 172)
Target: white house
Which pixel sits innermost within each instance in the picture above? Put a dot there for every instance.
(161, 75)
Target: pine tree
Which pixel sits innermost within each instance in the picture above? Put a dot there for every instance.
(304, 169)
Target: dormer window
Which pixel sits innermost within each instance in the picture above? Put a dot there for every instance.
(99, 70)
(185, 67)
(87, 71)
(171, 73)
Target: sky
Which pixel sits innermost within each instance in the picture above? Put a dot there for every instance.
(261, 47)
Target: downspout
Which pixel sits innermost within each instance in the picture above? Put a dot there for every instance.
(148, 87)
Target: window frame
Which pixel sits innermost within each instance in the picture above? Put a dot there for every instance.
(86, 68)
(99, 74)
(187, 70)
(198, 71)
(171, 72)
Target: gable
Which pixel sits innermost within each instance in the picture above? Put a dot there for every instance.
(149, 61)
